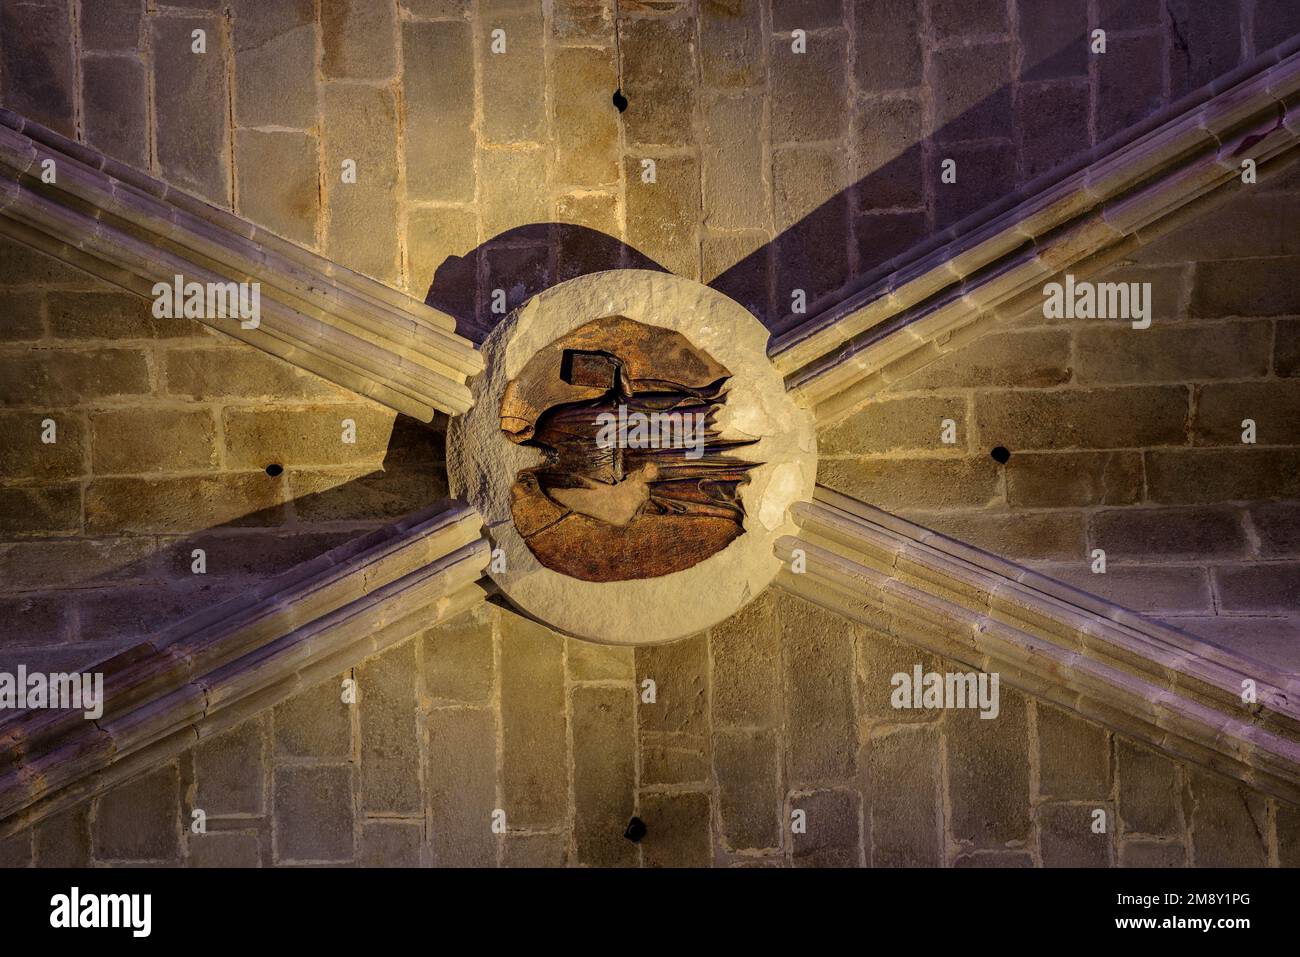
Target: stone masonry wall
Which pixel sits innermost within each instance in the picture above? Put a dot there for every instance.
(1126, 440)
(783, 708)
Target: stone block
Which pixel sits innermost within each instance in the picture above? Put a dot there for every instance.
(1051, 116)
(25, 456)
(132, 441)
(896, 484)
(458, 658)
(44, 510)
(880, 658)
(1021, 536)
(391, 843)
(314, 812)
(534, 747)
(680, 672)
(604, 775)
(748, 769)
(887, 157)
(63, 838)
(1188, 533)
(1208, 476)
(513, 186)
(1174, 354)
(1228, 822)
(986, 172)
(673, 758)
(1245, 287)
(230, 771)
(588, 661)
(363, 494)
(1256, 588)
(1130, 82)
(514, 81)
(1083, 419)
(192, 141)
(20, 316)
(275, 63)
(178, 505)
(140, 820)
(1286, 348)
(462, 787)
(535, 850)
(1057, 479)
(972, 92)
(115, 93)
(60, 378)
(1152, 854)
(1222, 408)
(1073, 757)
(833, 836)
(112, 25)
(663, 217)
(306, 436)
(821, 722)
(390, 743)
(886, 44)
(1208, 44)
(988, 774)
(678, 830)
(238, 372)
(439, 133)
(279, 181)
(359, 40)
(314, 724)
(224, 849)
(733, 165)
(809, 90)
(1066, 837)
(898, 425)
(360, 125)
(585, 132)
(113, 315)
(1034, 358)
(731, 44)
(746, 651)
(1277, 527)
(37, 69)
(902, 792)
(1149, 787)
(1054, 38)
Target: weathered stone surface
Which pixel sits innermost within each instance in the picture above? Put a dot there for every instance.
(588, 661)
(585, 130)
(898, 425)
(1051, 115)
(20, 316)
(53, 508)
(899, 484)
(390, 745)
(1066, 837)
(171, 505)
(112, 315)
(535, 850)
(887, 153)
(678, 831)
(314, 814)
(224, 849)
(16, 850)
(1193, 533)
(1073, 757)
(314, 724)
(1130, 83)
(25, 456)
(988, 774)
(1206, 476)
(748, 769)
(229, 771)
(112, 25)
(1273, 406)
(37, 67)
(458, 655)
(887, 44)
(735, 181)
(462, 786)
(902, 792)
(663, 216)
(1256, 588)
(974, 92)
(439, 111)
(604, 775)
(746, 666)
(360, 124)
(673, 758)
(59, 379)
(391, 843)
(1245, 287)
(512, 184)
(275, 63)
(679, 671)
(821, 724)
(116, 98)
(358, 40)
(1074, 479)
(193, 141)
(1054, 37)
(534, 728)
(278, 183)
(731, 44)
(833, 837)
(140, 820)
(1148, 791)
(1151, 854)
(1228, 823)
(306, 436)
(809, 90)
(210, 373)
(63, 839)
(152, 440)
(1173, 354)
(1083, 419)
(514, 109)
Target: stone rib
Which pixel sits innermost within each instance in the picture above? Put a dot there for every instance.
(1154, 683)
(317, 315)
(915, 306)
(225, 663)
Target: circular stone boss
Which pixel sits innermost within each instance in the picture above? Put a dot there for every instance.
(753, 418)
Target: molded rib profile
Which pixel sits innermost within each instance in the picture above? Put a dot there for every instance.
(132, 230)
(930, 301)
(1152, 683)
(214, 669)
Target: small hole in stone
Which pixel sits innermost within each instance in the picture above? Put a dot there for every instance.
(636, 830)
(620, 101)
(1001, 454)
(274, 469)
